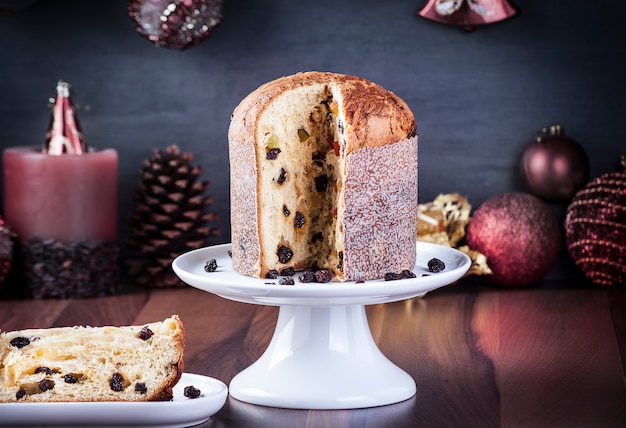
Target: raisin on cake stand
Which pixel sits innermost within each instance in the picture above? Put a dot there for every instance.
(322, 354)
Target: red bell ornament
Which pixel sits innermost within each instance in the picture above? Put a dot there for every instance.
(554, 167)
(467, 13)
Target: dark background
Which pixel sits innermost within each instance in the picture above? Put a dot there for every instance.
(479, 98)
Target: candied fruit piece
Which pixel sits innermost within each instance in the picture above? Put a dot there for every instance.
(272, 142)
(303, 135)
(284, 253)
(145, 333)
(191, 391)
(298, 222)
(117, 382)
(272, 154)
(436, 265)
(210, 265)
(20, 342)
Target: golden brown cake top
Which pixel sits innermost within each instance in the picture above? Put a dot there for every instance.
(374, 116)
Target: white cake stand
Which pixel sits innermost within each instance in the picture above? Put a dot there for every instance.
(322, 354)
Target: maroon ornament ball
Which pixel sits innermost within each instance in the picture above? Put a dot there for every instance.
(554, 167)
(595, 229)
(176, 24)
(7, 238)
(520, 236)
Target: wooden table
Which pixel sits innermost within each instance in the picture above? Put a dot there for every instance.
(549, 356)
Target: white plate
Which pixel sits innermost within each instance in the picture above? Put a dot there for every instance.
(230, 285)
(180, 412)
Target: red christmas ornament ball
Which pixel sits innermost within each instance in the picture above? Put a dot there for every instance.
(176, 24)
(7, 237)
(520, 236)
(554, 167)
(595, 229)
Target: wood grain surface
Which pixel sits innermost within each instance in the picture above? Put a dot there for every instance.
(547, 356)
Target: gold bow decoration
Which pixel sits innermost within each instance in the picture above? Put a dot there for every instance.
(443, 222)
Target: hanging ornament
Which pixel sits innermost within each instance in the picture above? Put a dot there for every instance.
(595, 229)
(467, 13)
(554, 167)
(176, 24)
(520, 236)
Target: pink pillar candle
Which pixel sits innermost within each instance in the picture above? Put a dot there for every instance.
(66, 197)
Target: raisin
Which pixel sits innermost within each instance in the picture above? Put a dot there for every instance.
(307, 276)
(282, 176)
(340, 264)
(272, 274)
(71, 378)
(20, 342)
(317, 237)
(272, 154)
(436, 265)
(321, 183)
(392, 276)
(46, 385)
(284, 254)
(191, 391)
(360, 281)
(323, 275)
(289, 271)
(286, 280)
(20, 393)
(46, 370)
(140, 388)
(405, 274)
(117, 382)
(298, 222)
(145, 333)
(210, 265)
(286, 211)
(230, 253)
(340, 125)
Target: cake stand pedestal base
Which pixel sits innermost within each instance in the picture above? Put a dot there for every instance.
(322, 357)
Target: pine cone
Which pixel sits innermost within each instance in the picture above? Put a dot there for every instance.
(169, 217)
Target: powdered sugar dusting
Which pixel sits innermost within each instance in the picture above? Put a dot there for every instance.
(380, 210)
